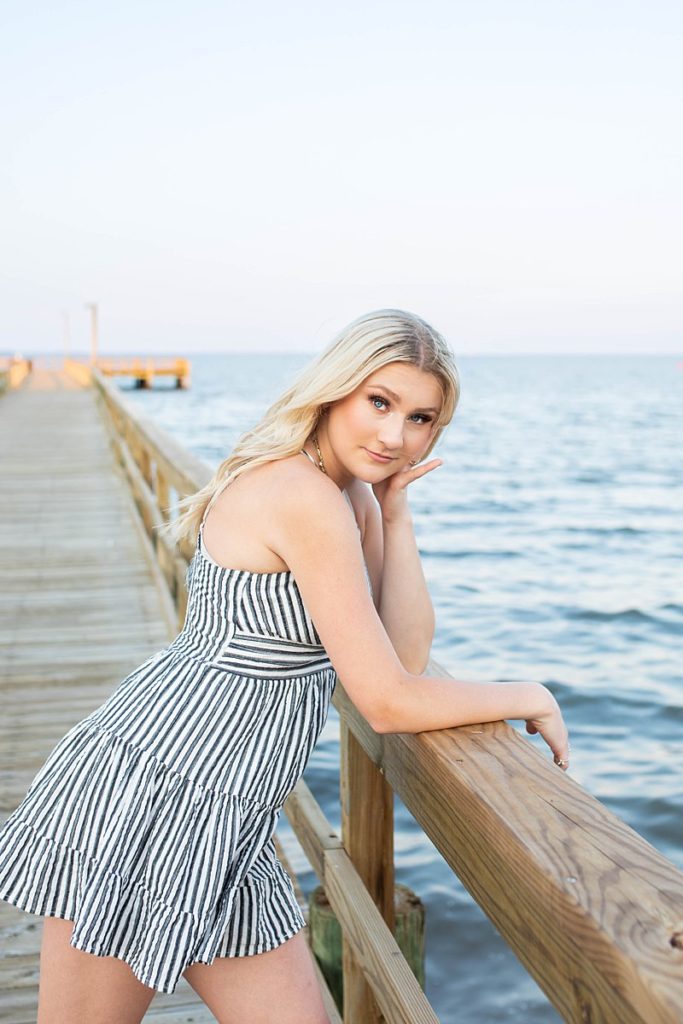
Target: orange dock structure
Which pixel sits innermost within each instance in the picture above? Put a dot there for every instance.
(143, 371)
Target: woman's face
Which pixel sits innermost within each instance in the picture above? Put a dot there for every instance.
(380, 427)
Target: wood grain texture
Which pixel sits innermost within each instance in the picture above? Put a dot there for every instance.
(367, 805)
(588, 906)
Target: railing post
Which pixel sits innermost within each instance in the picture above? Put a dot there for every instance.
(367, 805)
(161, 488)
(144, 461)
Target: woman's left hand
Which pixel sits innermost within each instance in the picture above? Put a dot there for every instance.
(392, 493)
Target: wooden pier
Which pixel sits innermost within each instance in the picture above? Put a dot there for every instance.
(82, 603)
(90, 588)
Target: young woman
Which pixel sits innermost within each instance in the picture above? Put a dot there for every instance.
(145, 840)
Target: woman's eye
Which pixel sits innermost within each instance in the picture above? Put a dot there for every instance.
(377, 398)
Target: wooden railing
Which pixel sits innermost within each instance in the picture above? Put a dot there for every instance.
(592, 910)
(78, 371)
(13, 371)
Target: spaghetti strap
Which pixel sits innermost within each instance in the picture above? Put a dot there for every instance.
(212, 500)
(304, 452)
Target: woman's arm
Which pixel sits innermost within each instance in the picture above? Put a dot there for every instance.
(316, 535)
(404, 604)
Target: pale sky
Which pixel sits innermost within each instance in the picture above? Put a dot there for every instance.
(240, 176)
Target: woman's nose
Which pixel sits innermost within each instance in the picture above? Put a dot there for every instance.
(390, 432)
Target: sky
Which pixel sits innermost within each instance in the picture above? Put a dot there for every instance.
(231, 176)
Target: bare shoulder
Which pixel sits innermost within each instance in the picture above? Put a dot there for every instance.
(289, 487)
(244, 528)
(272, 483)
(306, 499)
(293, 478)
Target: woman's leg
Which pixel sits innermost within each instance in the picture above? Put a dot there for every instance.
(277, 987)
(79, 988)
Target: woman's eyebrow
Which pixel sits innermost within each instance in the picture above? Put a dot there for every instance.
(392, 394)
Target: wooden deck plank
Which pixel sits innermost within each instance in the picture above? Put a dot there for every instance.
(80, 607)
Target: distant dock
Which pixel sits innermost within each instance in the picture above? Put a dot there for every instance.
(144, 371)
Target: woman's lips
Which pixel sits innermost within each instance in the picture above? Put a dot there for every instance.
(379, 458)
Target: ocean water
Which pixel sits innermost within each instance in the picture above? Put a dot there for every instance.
(552, 542)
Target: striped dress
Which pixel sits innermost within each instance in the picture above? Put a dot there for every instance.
(150, 824)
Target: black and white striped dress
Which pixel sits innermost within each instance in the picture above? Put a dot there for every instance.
(150, 824)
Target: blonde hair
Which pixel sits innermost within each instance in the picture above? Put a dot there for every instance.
(370, 342)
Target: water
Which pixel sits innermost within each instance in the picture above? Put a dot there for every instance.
(552, 541)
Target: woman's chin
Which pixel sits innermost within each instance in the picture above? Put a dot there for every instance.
(374, 473)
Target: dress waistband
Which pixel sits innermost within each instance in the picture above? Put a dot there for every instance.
(255, 655)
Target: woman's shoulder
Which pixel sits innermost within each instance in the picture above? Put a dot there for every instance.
(293, 478)
(290, 487)
(301, 505)
(246, 525)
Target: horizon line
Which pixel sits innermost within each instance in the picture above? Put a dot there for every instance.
(84, 356)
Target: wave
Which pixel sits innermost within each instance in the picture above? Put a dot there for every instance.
(471, 553)
(605, 530)
(629, 615)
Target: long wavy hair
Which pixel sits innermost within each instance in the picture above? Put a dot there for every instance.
(370, 342)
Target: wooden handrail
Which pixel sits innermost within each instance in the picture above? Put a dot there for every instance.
(395, 988)
(593, 911)
(78, 371)
(184, 471)
(13, 371)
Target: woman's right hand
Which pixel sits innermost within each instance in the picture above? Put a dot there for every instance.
(550, 725)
